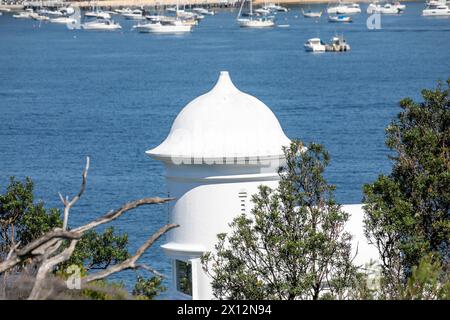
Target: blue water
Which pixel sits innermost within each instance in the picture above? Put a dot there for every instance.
(67, 94)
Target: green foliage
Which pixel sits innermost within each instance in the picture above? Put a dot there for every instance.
(99, 251)
(147, 289)
(105, 290)
(428, 281)
(407, 212)
(20, 218)
(292, 245)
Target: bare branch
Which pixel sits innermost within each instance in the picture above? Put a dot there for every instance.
(130, 263)
(118, 212)
(32, 249)
(46, 267)
(13, 248)
(68, 204)
(148, 268)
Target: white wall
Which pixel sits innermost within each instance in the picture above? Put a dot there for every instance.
(207, 200)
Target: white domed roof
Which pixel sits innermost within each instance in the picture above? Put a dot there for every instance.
(223, 123)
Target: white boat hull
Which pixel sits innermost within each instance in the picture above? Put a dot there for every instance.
(312, 14)
(101, 26)
(249, 23)
(159, 28)
(133, 16)
(343, 10)
(435, 13)
(371, 9)
(63, 20)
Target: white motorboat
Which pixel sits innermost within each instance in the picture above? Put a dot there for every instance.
(436, 10)
(63, 20)
(134, 15)
(27, 14)
(311, 14)
(314, 45)
(262, 11)
(121, 11)
(338, 44)
(176, 27)
(203, 11)
(97, 14)
(254, 22)
(344, 8)
(398, 5)
(387, 8)
(275, 8)
(50, 12)
(39, 17)
(339, 18)
(101, 25)
(4, 9)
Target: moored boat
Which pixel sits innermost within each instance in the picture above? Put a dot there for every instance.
(311, 14)
(344, 8)
(314, 45)
(339, 18)
(101, 25)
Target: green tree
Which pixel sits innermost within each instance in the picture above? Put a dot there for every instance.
(292, 245)
(428, 281)
(20, 218)
(407, 211)
(146, 289)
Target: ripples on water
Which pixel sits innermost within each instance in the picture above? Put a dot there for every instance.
(67, 94)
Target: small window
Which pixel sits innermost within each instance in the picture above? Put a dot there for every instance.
(243, 199)
(184, 277)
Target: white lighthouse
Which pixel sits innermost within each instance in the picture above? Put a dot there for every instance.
(221, 147)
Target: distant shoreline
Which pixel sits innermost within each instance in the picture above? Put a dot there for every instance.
(215, 3)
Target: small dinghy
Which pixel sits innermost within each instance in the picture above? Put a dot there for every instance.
(340, 18)
(311, 14)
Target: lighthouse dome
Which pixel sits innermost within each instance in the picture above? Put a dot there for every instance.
(223, 123)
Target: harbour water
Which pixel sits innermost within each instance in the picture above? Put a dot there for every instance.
(67, 94)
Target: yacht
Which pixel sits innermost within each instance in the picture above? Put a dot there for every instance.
(339, 18)
(39, 17)
(101, 24)
(63, 20)
(436, 10)
(174, 27)
(134, 15)
(252, 21)
(275, 8)
(315, 45)
(311, 14)
(97, 14)
(203, 11)
(387, 8)
(344, 8)
(122, 11)
(262, 11)
(50, 12)
(27, 14)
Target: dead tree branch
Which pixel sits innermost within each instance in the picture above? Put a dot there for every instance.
(47, 251)
(130, 263)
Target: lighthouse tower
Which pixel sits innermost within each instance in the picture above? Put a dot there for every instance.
(221, 147)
